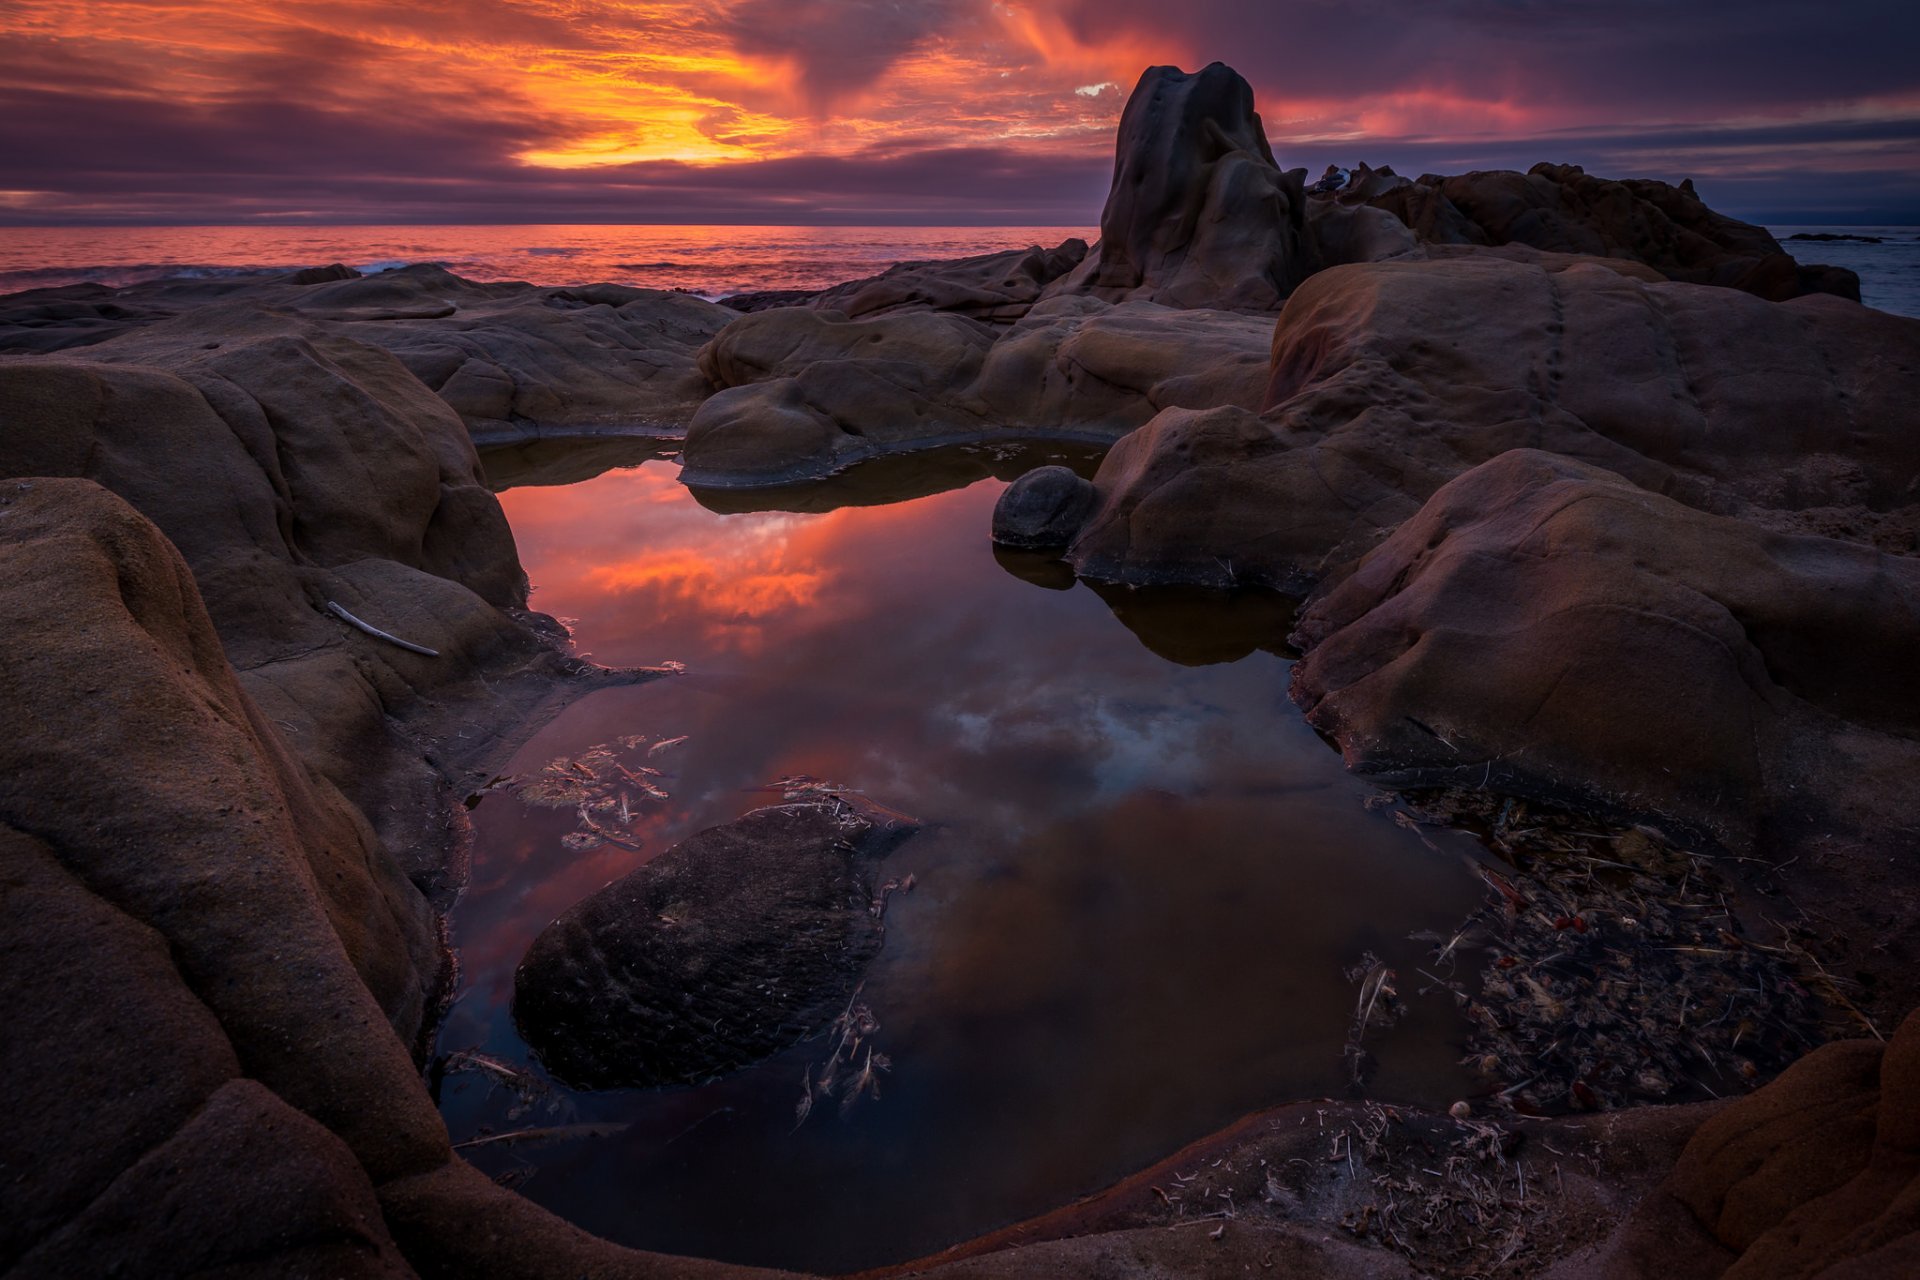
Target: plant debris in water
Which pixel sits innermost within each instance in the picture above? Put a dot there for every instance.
(607, 787)
(848, 1071)
(1615, 971)
(804, 786)
(528, 1091)
(1378, 1005)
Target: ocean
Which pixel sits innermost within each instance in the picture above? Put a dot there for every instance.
(710, 261)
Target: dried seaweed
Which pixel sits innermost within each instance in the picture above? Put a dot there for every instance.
(1378, 1005)
(1461, 1209)
(1614, 970)
(528, 1091)
(845, 1072)
(604, 786)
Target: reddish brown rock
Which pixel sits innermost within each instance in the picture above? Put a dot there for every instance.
(1198, 214)
(1564, 209)
(1547, 628)
(1388, 379)
(1815, 1175)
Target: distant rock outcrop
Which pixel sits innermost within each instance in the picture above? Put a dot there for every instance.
(1563, 209)
(998, 288)
(515, 361)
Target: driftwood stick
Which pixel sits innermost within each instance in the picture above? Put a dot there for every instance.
(334, 608)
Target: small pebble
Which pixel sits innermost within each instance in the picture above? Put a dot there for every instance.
(1459, 1111)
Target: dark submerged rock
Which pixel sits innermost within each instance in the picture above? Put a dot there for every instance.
(730, 946)
(1043, 509)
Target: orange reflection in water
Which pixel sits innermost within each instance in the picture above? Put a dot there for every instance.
(1137, 888)
(629, 558)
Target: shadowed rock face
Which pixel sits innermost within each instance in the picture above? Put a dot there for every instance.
(1564, 209)
(1199, 215)
(291, 469)
(1389, 379)
(183, 907)
(204, 957)
(513, 360)
(1544, 626)
(803, 392)
(730, 946)
(1042, 510)
(1813, 1176)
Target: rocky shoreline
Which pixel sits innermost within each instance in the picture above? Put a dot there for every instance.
(1595, 498)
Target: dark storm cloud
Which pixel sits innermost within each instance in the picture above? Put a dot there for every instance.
(841, 46)
(1623, 59)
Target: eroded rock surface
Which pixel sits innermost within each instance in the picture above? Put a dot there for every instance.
(515, 361)
(176, 879)
(997, 288)
(1198, 215)
(294, 469)
(1563, 209)
(1815, 1175)
(730, 946)
(1545, 621)
(1389, 379)
(804, 392)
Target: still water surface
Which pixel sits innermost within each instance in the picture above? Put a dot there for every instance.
(1140, 882)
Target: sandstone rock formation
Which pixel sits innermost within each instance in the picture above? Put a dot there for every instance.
(207, 957)
(1813, 1176)
(1388, 379)
(997, 288)
(1198, 215)
(293, 470)
(1546, 627)
(515, 361)
(732, 945)
(806, 392)
(1564, 209)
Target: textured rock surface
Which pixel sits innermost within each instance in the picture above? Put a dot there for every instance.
(732, 945)
(1547, 622)
(173, 873)
(1198, 215)
(995, 287)
(291, 469)
(515, 361)
(1815, 1175)
(1564, 209)
(1042, 510)
(806, 392)
(204, 957)
(1388, 379)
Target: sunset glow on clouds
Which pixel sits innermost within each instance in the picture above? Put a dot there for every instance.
(901, 110)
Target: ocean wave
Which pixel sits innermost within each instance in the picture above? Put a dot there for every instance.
(120, 274)
(395, 264)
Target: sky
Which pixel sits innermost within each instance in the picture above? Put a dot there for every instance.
(912, 111)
